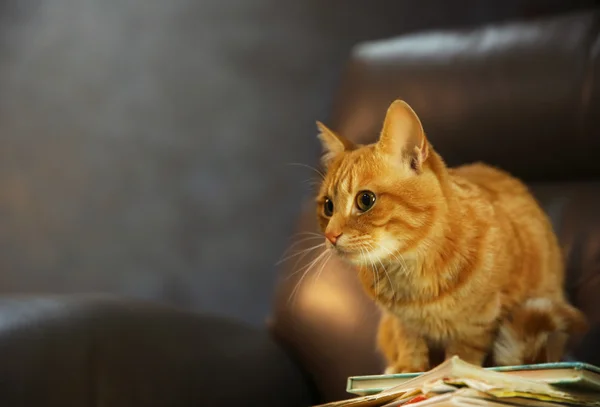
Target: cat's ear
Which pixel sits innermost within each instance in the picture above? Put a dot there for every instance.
(402, 135)
(333, 144)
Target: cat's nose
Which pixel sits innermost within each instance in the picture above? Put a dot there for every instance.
(333, 237)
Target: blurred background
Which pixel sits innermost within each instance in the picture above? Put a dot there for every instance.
(145, 145)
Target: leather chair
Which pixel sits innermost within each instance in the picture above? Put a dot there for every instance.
(523, 96)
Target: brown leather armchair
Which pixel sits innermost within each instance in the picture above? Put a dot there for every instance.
(523, 96)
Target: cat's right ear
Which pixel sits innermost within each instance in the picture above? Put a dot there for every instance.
(333, 144)
(402, 135)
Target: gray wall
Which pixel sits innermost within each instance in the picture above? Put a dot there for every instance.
(144, 143)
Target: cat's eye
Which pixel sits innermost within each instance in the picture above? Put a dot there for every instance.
(365, 200)
(328, 207)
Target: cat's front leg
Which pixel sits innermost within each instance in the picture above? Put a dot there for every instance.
(474, 336)
(404, 351)
(473, 348)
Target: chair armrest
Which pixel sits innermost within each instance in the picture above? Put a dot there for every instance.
(90, 351)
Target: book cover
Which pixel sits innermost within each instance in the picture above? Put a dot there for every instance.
(561, 374)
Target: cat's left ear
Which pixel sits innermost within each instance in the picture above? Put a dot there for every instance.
(403, 136)
(333, 144)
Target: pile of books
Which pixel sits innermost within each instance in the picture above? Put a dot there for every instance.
(458, 383)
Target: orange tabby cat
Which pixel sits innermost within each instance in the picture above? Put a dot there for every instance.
(462, 259)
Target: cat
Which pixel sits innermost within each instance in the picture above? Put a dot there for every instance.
(459, 258)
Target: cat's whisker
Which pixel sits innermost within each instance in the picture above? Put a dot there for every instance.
(385, 272)
(405, 269)
(306, 233)
(389, 279)
(401, 261)
(304, 239)
(373, 269)
(298, 260)
(286, 252)
(307, 269)
(324, 263)
(376, 272)
(310, 168)
(389, 252)
(313, 182)
(364, 259)
(304, 251)
(313, 185)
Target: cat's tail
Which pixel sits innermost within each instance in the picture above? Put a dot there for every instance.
(537, 332)
(570, 320)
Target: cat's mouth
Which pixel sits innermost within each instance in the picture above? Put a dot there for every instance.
(352, 255)
(358, 253)
(340, 250)
(362, 255)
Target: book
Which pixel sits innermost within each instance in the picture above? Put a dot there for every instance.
(467, 397)
(575, 375)
(455, 374)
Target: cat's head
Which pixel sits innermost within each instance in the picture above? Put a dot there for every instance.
(381, 200)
